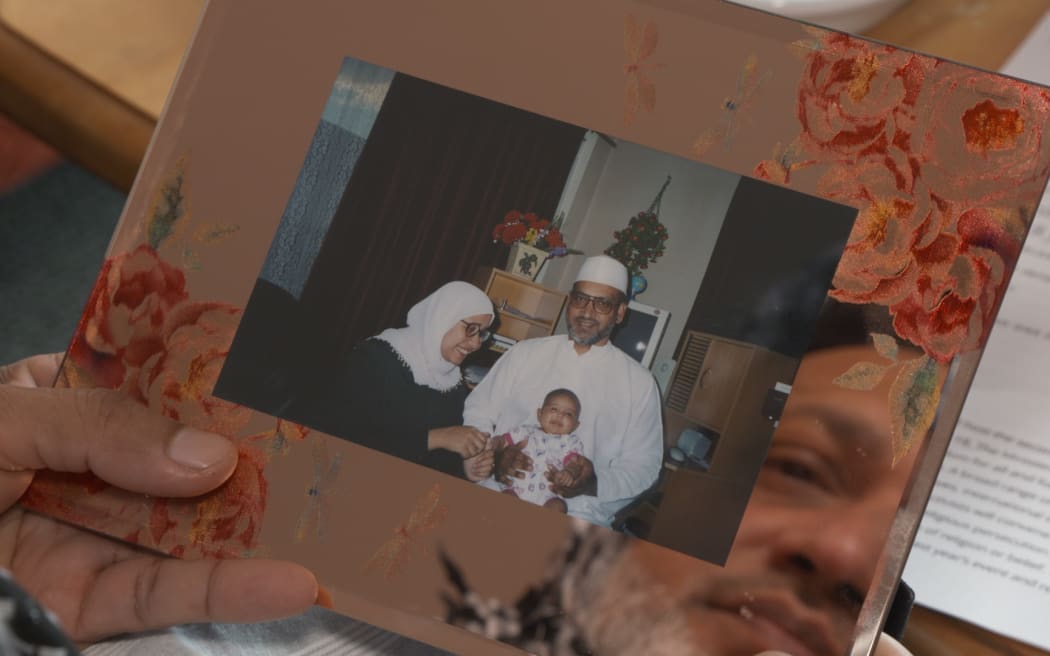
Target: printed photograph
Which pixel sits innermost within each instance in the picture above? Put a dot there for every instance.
(567, 319)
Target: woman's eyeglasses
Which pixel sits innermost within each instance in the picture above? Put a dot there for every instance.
(476, 329)
(579, 300)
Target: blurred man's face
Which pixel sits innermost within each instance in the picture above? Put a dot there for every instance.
(811, 536)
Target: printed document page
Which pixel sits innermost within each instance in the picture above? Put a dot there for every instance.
(982, 552)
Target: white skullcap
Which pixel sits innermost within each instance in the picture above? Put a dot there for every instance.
(604, 270)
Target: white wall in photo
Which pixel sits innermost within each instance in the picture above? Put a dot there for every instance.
(619, 181)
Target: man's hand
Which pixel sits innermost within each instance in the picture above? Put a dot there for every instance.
(97, 586)
(511, 462)
(560, 477)
(581, 479)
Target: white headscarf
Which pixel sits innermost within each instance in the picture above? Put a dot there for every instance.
(419, 343)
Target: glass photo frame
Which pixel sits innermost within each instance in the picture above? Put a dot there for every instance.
(837, 221)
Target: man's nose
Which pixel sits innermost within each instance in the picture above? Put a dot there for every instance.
(838, 547)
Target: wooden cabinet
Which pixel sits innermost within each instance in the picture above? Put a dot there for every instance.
(526, 309)
(721, 370)
(718, 387)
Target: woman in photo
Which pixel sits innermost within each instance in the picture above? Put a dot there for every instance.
(401, 391)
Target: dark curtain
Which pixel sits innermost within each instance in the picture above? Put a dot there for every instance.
(439, 170)
(771, 267)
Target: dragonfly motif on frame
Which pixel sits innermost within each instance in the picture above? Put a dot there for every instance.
(326, 471)
(391, 556)
(735, 107)
(639, 42)
(283, 434)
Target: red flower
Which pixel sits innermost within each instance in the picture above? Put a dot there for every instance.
(178, 380)
(514, 233)
(121, 325)
(988, 127)
(959, 283)
(877, 265)
(995, 154)
(926, 242)
(224, 524)
(858, 98)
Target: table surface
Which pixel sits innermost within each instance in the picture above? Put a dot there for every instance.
(114, 60)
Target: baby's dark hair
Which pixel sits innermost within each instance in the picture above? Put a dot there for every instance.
(567, 393)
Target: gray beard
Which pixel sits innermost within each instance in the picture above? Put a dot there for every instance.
(593, 339)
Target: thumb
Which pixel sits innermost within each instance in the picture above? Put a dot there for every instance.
(104, 432)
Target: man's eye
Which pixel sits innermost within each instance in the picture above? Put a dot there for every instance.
(794, 472)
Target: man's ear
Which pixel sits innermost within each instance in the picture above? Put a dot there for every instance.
(621, 312)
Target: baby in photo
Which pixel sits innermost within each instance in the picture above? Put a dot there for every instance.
(552, 445)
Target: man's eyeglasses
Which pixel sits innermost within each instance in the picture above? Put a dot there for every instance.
(476, 329)
(579, 300)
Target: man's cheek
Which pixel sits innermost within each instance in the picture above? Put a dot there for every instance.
(761, 524)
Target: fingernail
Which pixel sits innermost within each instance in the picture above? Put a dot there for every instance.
(324, 598)
(198, 449)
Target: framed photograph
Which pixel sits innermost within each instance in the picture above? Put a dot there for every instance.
(405, 262)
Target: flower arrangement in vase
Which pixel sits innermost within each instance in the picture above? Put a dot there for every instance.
(533, 241)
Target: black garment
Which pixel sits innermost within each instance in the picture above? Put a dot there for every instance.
(375, 402)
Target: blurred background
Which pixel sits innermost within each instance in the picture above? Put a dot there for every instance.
(81, 87)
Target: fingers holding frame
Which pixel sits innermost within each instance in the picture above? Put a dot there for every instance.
(109, 434)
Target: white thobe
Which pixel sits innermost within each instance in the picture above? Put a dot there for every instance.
(620, 419)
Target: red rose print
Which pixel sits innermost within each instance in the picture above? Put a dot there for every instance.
(959, 283)
(857, 98)
(988, 127)
(128, 306)
(991, 156)
(878, 262)
(224, 524)
(178, 380)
